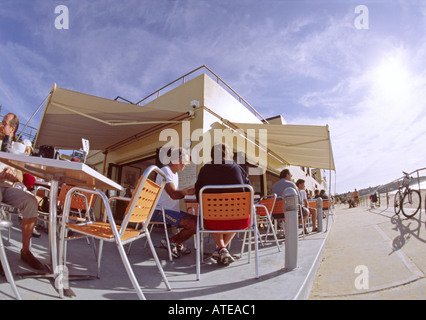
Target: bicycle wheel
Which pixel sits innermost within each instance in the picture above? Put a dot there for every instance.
(397, 202)
(411, 203)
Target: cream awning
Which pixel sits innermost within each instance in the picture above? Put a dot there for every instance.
(70, 116)
(298, 145)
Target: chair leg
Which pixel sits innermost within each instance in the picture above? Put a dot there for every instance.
(168, 241)
(7, 271)
(249, 244)
(154, 253)
(259, 235)
(92, 240)
(61, 259)
(303, 225)
(243, 246)
(101, 246)
(129, 270)
(273, 232)
(169, 249)
(198, 255)
(256, 249)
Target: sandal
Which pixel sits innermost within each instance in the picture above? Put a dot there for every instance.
(183, 250)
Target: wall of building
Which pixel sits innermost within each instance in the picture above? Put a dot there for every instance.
(215, 103)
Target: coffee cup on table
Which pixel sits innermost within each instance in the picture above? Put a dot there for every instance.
(17, 148)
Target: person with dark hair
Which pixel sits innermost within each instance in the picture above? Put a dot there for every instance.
(10, 124)
(323, 195)
(169, 201)
(284, 183)
(221, 171)
(24, 201)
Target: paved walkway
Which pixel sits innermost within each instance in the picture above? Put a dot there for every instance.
(387, 251)
(236, 282)
(373, 254)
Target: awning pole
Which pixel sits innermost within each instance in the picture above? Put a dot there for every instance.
(38, 109)
(329, 180)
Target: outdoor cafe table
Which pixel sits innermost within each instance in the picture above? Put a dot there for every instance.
(58, 171)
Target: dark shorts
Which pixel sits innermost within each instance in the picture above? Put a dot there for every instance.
(172, 217)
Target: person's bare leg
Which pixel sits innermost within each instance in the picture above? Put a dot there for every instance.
(27, 226)
(218, 239)
(314, 218)
(189, 228)
(227, 238)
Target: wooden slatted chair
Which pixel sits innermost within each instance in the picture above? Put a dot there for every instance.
(327, 206)
(326, 209)
(226, 212)
(81, 203)
(264, 209)
(139, 212)
(81, 208)
(278, 214)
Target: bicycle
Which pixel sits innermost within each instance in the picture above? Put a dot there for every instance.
(407, 200)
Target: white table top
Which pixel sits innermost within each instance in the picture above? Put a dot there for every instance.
(74, 173)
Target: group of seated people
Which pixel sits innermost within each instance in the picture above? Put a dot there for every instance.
(223, 170)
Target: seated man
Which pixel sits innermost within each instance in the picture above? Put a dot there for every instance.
(222, 172)
(169, 201)
(300, 183)
(323, 195)
(25, 202)
(284, 183)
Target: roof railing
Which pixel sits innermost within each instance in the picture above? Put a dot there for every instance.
(183, 78)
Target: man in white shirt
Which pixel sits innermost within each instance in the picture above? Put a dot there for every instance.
(169, 201)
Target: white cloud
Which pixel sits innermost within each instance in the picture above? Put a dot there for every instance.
(384, 132)
(311, 66)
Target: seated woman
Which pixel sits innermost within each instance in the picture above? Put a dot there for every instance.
(221, 171)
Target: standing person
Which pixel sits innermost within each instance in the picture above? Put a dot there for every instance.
(356, 197)
(24, 201)
(312, 211)
(222, 172)
(169, 201)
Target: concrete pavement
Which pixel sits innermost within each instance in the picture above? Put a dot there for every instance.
(367, 254)
(373, 254)
(235, 282)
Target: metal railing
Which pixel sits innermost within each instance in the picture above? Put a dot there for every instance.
(384, 191)
(193, 73)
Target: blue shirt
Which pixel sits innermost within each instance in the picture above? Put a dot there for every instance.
(281, 185)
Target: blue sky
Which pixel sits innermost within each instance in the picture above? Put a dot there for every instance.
(305, 60)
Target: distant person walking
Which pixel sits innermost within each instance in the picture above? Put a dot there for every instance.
(355, 195)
